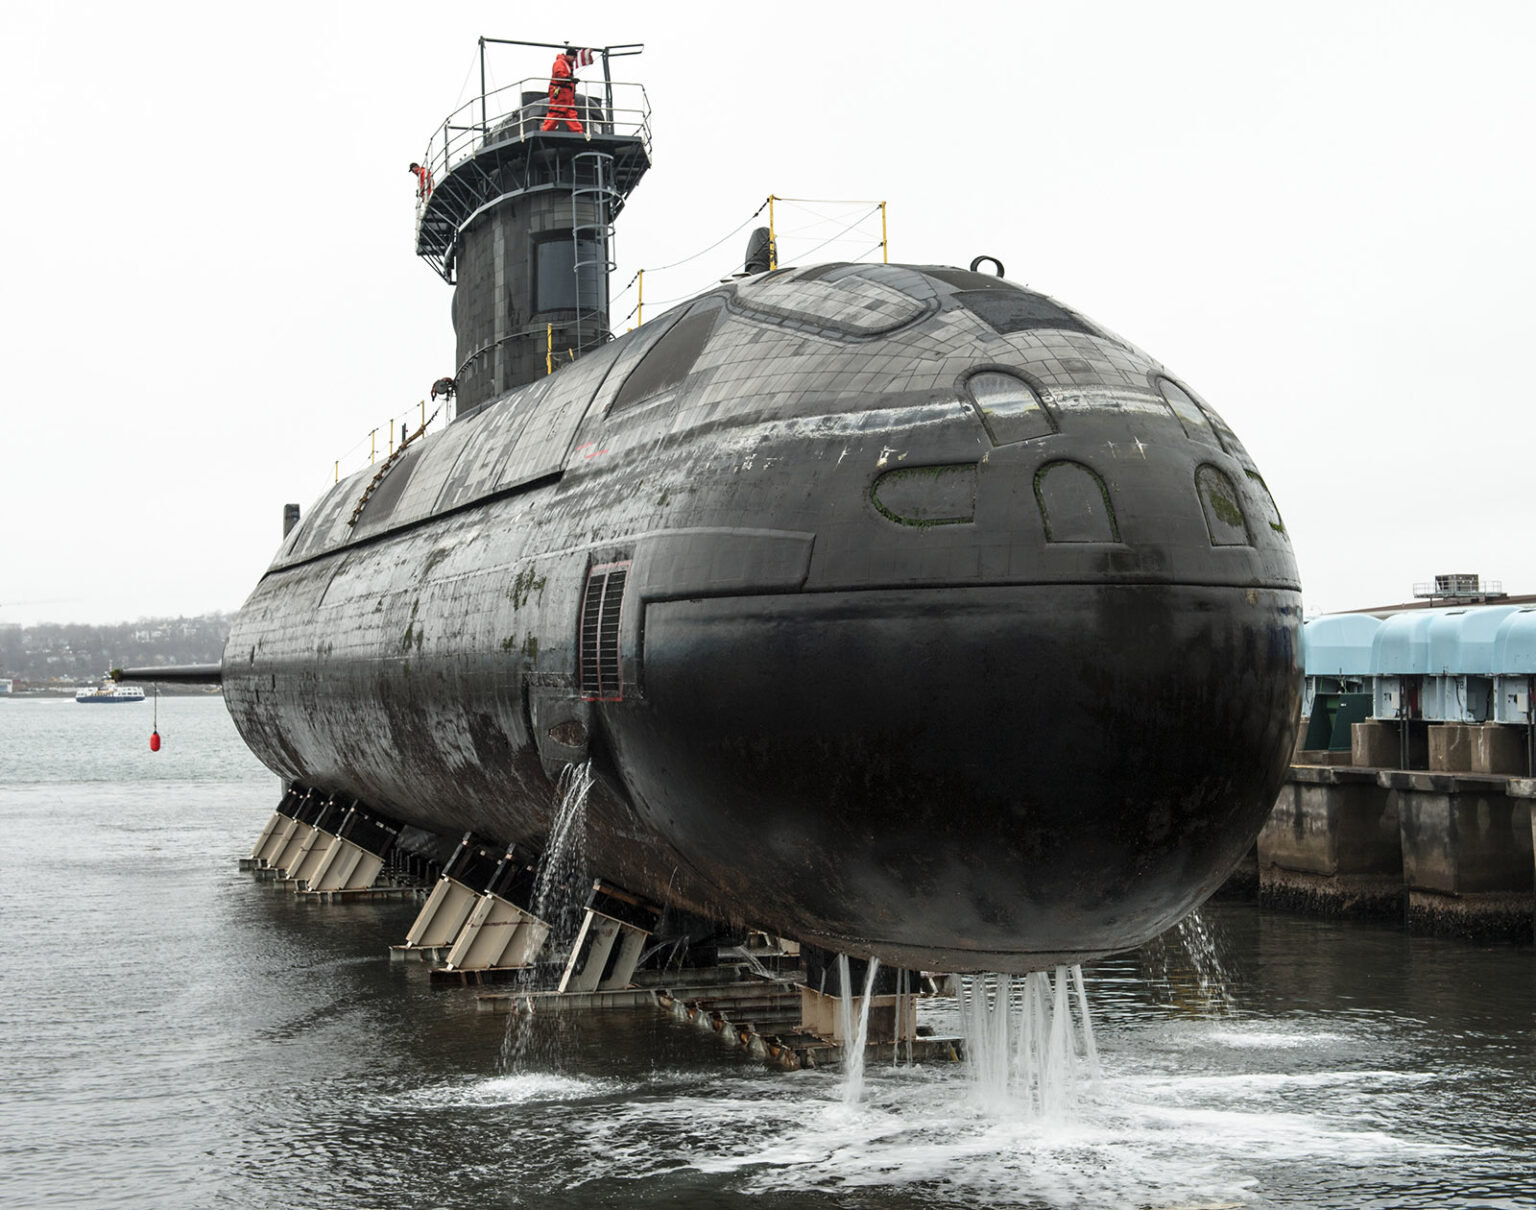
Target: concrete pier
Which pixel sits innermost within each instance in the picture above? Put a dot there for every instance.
(1332, 845)
(1446, 846)
(1467, 856)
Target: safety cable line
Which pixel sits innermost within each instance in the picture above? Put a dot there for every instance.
(694, 293)
(822, 219)
(468, 72)
(821, 224)
(841, 233)
(833, 238)
(807, 230)
(713, 246)
(842, 220)
(837, 218)
(406, 424)
(830, 201)
(686, 259)
(614, 301)
(668, 302)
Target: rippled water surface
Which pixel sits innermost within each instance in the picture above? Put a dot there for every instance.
(173, 1034)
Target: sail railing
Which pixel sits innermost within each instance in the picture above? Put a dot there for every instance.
(516, 111)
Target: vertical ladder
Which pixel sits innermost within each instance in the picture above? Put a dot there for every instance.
(594, 200)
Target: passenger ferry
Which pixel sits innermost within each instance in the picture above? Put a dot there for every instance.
(110, 693)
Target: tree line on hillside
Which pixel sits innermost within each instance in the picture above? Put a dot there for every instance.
(55, 653)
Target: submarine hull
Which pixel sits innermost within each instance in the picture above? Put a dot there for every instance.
(956, 779)
(896, 609)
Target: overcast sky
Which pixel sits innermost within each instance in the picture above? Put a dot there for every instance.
(1320, 215)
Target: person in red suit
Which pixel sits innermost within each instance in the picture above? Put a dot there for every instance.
(562, 93)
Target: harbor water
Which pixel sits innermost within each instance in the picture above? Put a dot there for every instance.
(176, 1034)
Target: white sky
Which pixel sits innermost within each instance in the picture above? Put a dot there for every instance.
(1320, 215)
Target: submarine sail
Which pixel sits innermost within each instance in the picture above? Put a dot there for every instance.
(898, 609)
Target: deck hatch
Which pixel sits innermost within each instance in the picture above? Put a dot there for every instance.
(1191, 415)
(1223, 508)
(598, 653)
(670, 360)
(1075, 505)
(1008, 311)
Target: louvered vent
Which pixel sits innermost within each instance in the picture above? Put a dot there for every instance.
(599, 653)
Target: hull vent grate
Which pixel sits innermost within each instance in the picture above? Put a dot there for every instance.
(600, 672)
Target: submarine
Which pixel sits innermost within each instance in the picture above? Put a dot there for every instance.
(898, 609)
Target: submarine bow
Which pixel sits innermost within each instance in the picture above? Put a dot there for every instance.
(898, 609)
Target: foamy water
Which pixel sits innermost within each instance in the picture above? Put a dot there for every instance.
(1145, 1132)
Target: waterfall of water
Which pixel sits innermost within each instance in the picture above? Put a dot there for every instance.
(853, 1047)
(560, 887)
(985, 1029)
(1183, 966)
(844, 999)
(1023, 1043)
(560, 882)
(1090, 1047)
(1205, 958)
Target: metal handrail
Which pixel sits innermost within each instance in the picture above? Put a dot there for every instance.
(1433, 588)
(477, 122)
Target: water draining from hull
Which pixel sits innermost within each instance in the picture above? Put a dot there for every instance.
(1204, 951)
(560, 881)
(559, 899)
(855, 1037)
(1025, 1046)
(1184, 967)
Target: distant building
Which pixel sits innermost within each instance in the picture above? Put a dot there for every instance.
(5, 685)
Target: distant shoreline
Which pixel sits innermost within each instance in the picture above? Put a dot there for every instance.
(67, 693)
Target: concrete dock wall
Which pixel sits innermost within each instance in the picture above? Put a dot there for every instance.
(1447, 848)
(1332, 845)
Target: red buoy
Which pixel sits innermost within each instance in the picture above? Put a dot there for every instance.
(154, 741)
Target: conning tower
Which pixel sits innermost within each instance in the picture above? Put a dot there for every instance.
(519, 220)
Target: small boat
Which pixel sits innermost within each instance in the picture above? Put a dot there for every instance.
(110, 693)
